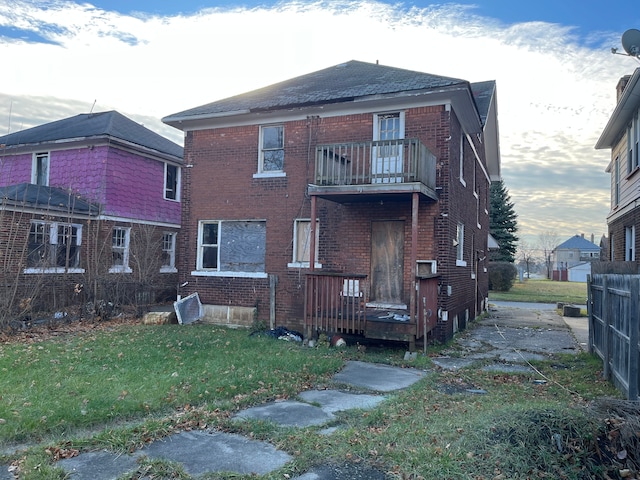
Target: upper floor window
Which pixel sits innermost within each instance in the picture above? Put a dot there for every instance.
(459, 244)
(633, 140)
(462, 159)
(120, 240)
(231, 248)
(171, 182)
(168, 252)
(54, 247)
(271, 149)
(616, 181)
(40, 169)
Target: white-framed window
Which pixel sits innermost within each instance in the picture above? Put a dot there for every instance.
(171, 182)
(612, 251)
(120, 241)
(630, 243)
(271, 151)
(616, 181)
(302, 243)
(461, 173)
(54, 247)
(168, 253)
(387, 163)
(459, 244)
(40, 169)
(633, 140)
(233, 248)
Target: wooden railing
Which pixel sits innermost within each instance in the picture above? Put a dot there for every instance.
(375, 162)
(335, 303)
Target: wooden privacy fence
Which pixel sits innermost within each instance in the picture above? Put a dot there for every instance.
(614, 327)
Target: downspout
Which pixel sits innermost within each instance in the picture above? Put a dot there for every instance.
(415, 202)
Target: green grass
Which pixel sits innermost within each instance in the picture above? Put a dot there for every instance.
(543, 291)
(75, 392)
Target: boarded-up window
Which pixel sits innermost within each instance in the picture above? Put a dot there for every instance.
(302, 241)
(242, 246)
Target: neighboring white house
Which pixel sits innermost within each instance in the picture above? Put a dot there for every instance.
(571, 260)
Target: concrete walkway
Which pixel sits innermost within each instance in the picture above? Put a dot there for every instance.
(203, 452)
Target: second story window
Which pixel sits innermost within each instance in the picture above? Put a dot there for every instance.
(171, 182)
(459, 244)
(633, 141)
(271, 149)
(120, 237)
(40, 169)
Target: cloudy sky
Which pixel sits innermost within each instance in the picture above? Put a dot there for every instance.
(551, 60)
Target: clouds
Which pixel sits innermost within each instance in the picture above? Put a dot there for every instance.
(555, 89)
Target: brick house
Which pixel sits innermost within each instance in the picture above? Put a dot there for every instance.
(622, 136)
(89, 207)
(394, 168)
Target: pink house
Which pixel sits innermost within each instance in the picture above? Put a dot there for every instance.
(89, 210)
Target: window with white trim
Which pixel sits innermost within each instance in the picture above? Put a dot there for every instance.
(171, 182)
(232, 247)
(271, 149)
(168, 252)
(462, 160)
(459, 244)
(302, 243)
(630, 243)
(633, 139)
(40, 169)
(616, 181)
(54, 247)
(120, 241)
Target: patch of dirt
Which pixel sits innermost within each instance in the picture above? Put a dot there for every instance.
(53, 328)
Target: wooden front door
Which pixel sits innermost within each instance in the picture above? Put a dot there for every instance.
(387, 262)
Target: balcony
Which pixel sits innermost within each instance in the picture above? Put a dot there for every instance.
(362, 171)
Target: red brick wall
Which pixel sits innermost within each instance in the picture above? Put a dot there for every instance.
(220, 186)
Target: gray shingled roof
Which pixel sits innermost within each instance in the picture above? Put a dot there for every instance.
(48, 198)
(340, 83)
(577, 242)
(87, 125)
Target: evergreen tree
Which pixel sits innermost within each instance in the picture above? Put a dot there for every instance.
(503, 224)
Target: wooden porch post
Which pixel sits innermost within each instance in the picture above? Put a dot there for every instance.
(415, 201)
(312, 233)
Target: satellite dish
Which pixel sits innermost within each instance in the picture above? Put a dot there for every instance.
(631, 42)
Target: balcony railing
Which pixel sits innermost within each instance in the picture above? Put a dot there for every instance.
(375, 162)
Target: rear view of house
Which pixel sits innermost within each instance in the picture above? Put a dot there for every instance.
(89, 210)
(349, 200)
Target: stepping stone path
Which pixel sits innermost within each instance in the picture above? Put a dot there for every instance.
(202, 452)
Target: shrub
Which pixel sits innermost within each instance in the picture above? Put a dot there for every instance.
(501, 276)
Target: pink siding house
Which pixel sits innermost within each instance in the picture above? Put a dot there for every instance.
(89, 211)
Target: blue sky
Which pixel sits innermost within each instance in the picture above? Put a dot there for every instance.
(586, 15)
(551, 61)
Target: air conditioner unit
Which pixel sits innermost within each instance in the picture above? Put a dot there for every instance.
(426, 268)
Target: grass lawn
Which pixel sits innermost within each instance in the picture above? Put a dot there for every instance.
(120, 386)
(543, 291)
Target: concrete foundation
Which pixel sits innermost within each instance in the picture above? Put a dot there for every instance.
(229, 316)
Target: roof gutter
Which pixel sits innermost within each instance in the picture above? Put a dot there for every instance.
(627, 105)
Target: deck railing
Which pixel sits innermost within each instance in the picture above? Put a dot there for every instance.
(335, 302)
(375, 162)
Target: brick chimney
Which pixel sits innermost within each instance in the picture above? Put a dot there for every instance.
(622, 84)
